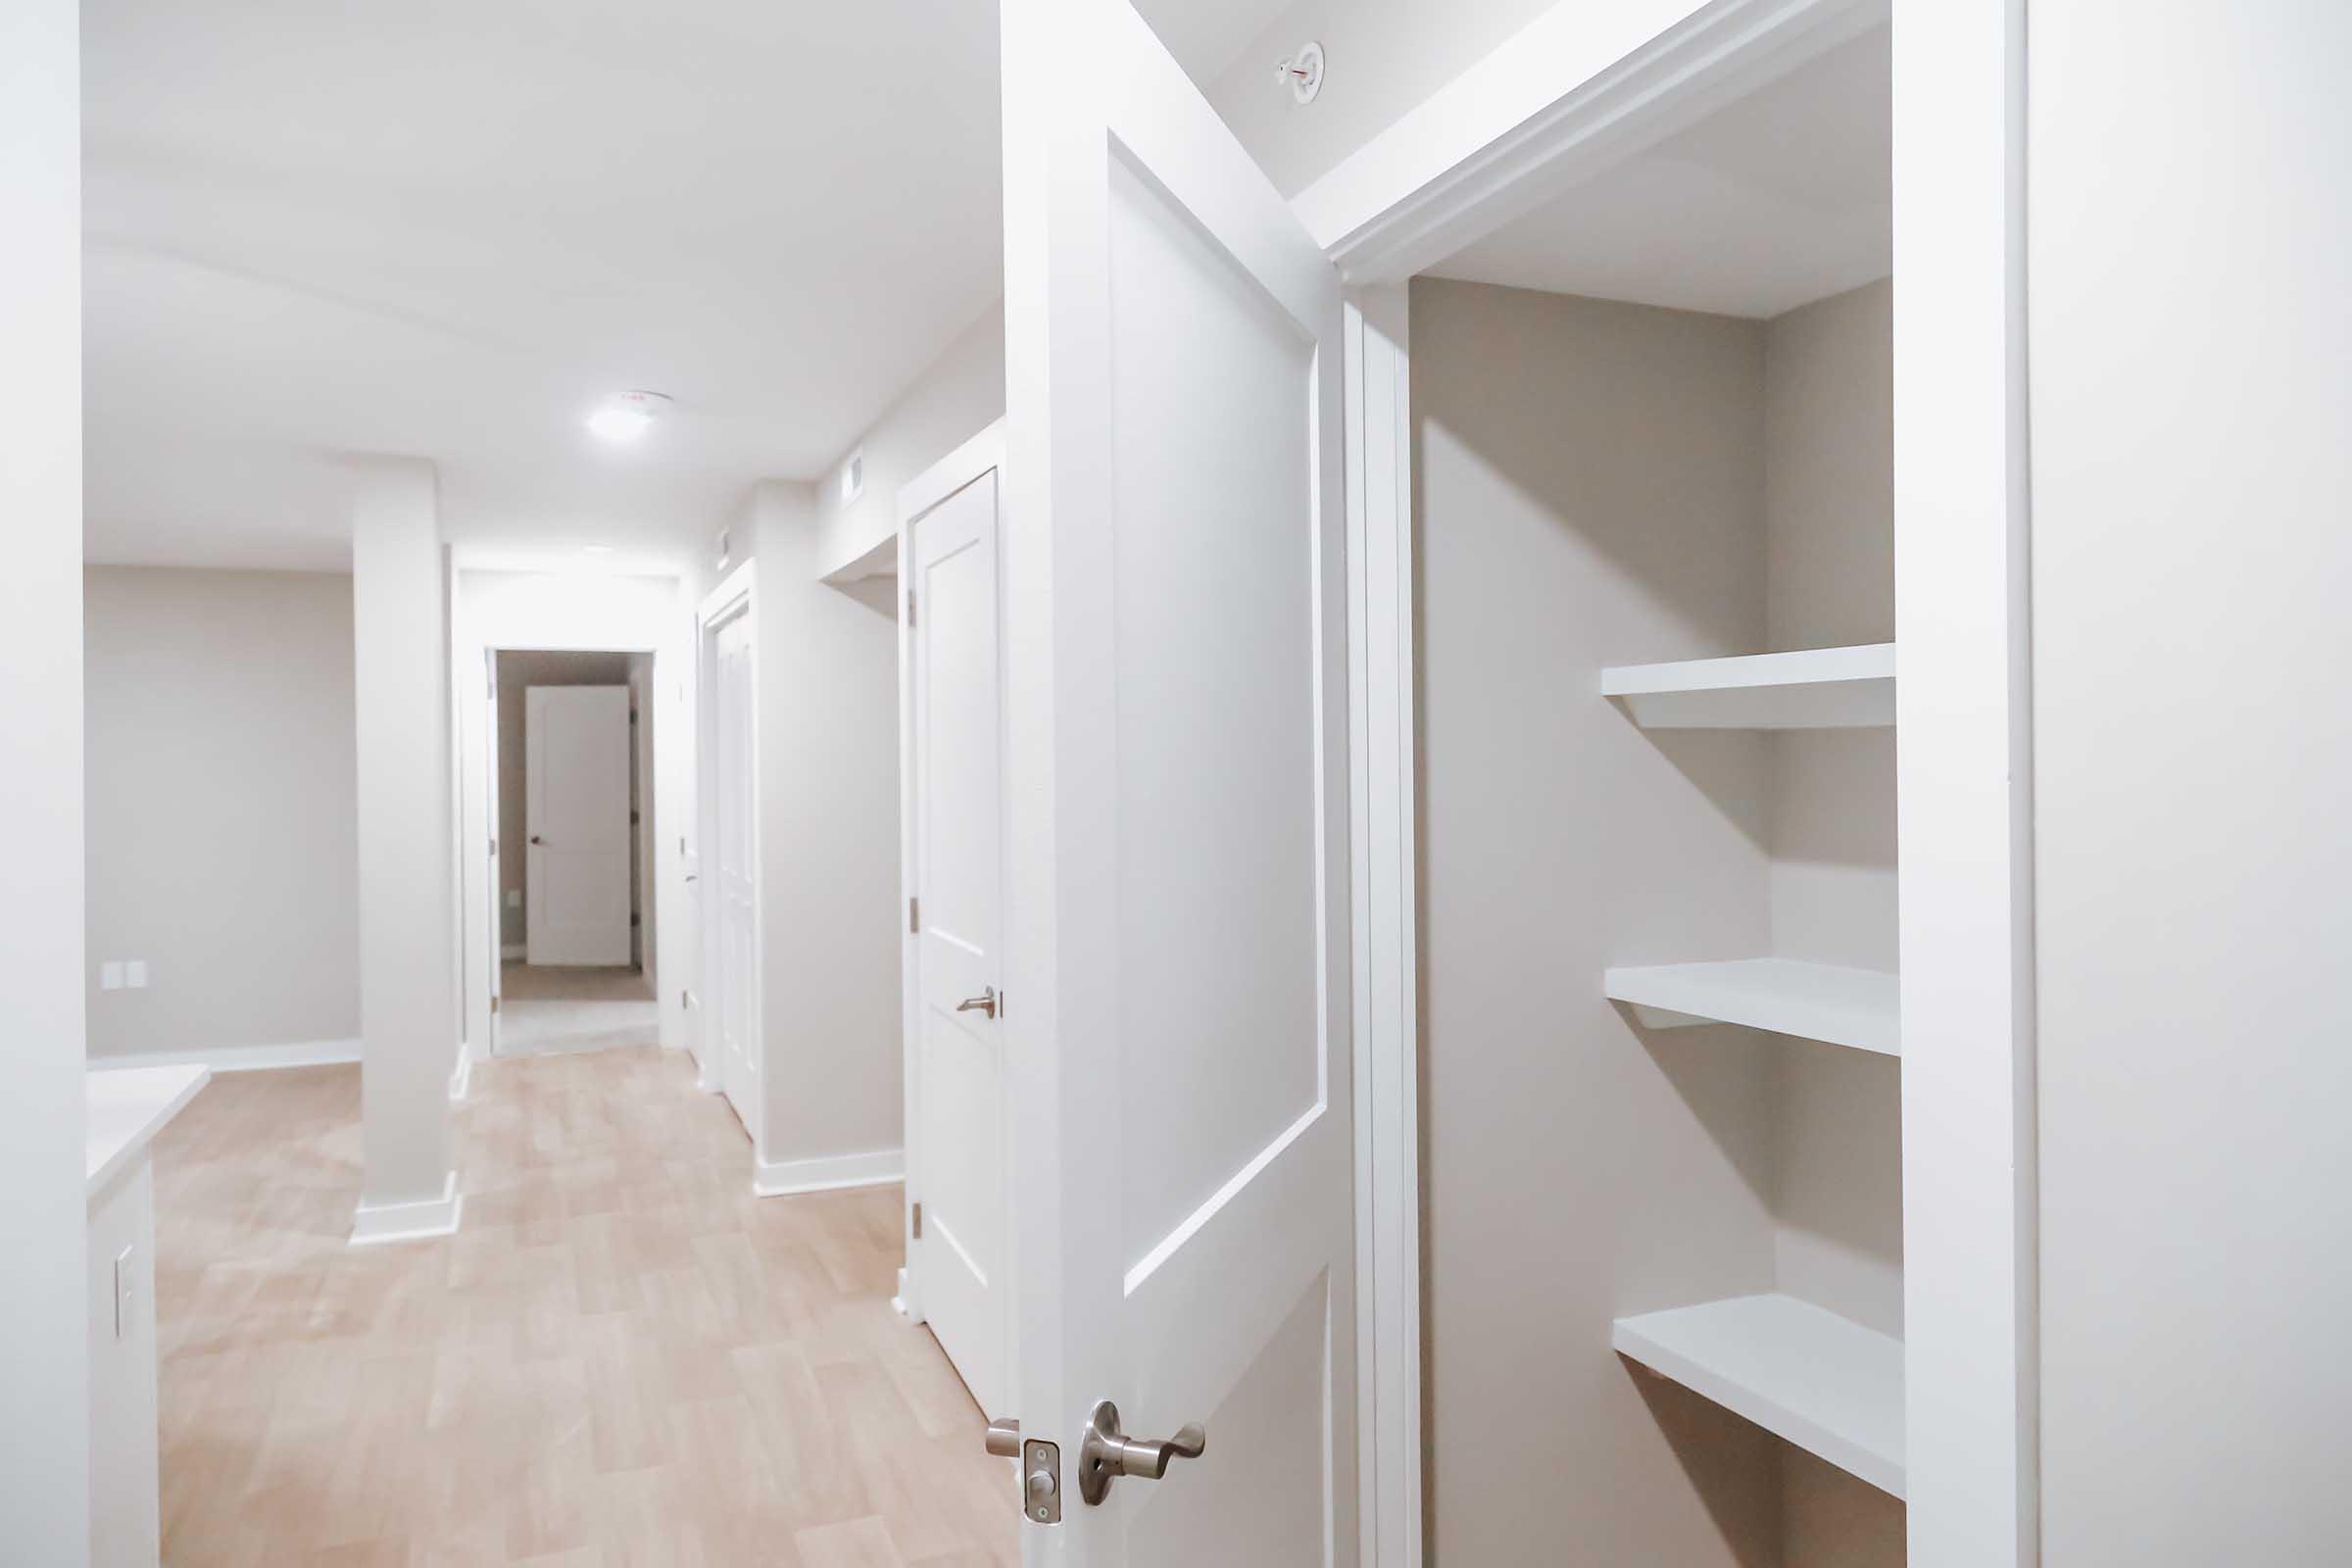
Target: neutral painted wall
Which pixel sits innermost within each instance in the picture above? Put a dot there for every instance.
(44, 1367)
(518, 669)
(959, 395)
(1606, 483)
(1829, 579)
(223, 795)
(1590, 494)
(829, 842)
(408, 907)
(1383, 58)
(2190, 334)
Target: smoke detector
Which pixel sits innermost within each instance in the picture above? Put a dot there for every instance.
(1302, 73)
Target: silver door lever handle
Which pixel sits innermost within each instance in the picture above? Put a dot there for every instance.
(1107, 1453)
(984, 1003)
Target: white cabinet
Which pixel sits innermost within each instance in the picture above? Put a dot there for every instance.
(126, 1109)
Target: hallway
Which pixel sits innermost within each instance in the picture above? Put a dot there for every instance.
(622, 1358)
(544, 1010)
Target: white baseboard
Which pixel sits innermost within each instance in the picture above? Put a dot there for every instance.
(514, 949)
(373, 1225)
(242, 1059)
(462, 1079)
(829, 1174)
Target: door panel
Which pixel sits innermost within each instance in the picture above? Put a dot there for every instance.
(1179, 1027)
(577, 790)
(735, 859)
(958, 881)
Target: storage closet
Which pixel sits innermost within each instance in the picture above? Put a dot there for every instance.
(1660, 1034)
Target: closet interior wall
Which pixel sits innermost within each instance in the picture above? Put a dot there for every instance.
(1602, 483)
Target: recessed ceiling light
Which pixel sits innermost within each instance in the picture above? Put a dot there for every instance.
(598, 550)
(626, 416)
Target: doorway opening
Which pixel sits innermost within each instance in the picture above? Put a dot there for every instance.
(573, 775)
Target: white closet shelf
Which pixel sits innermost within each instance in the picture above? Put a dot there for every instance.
(1830, 1386)
(1819, 688)
(1857, 1007)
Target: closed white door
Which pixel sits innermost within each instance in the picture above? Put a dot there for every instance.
(734, 860)
(1178, 1024)
(576, 813)
(960, 1142)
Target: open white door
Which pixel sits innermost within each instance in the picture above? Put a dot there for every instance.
(958, 869)
(576, 793)
(1177, 1013)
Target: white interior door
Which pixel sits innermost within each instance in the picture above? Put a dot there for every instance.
(734, 859)
(960, 1142)
(576, 813)
(1178, 1012)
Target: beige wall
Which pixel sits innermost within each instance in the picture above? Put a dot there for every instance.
(1606, 483)
(959, 395)
(519, 670)
(222, 788)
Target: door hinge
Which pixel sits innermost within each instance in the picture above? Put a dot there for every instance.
(918, 1222)
(909, 607)
(494, 847)
(632, 819)
(493, 1004)
(914, 915)
(636, 920)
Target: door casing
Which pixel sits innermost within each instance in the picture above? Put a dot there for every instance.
(735, 598)
(978, 458)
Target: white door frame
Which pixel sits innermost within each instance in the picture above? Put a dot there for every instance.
(1577, 91)
(735, 596)
(478, 788)
(977, 458)
(497, 612)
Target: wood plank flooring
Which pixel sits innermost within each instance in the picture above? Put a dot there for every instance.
(622, 1359)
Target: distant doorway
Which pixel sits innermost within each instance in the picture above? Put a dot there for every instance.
(574, 780)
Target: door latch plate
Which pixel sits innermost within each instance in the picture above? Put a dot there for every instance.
(1040, 1481)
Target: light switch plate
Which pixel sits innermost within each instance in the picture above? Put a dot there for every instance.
(110, 975)
(134, 973)
(514, 897)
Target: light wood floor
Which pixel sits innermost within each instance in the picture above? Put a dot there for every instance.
(623, 1357)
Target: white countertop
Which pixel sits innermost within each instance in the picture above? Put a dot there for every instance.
(128, 1107)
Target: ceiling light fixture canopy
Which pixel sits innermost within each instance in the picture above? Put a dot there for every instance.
(627, 416)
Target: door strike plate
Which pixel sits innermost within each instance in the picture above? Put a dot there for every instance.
(1040, 1481)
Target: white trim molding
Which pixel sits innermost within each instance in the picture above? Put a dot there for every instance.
(1964, 774)
(1576, 91)
(1381, 751)
(374, 1225)
(461, 1080)
(828, 1173)
(242, 1059)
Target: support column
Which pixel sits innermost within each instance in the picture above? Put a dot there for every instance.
(408, 987)
(44, 1310)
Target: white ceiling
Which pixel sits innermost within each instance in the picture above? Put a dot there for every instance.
(1206, 36)
(1781, 198)
(447, 228)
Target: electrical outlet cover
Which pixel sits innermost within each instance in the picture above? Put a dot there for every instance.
(110, 975)
(134, 973)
